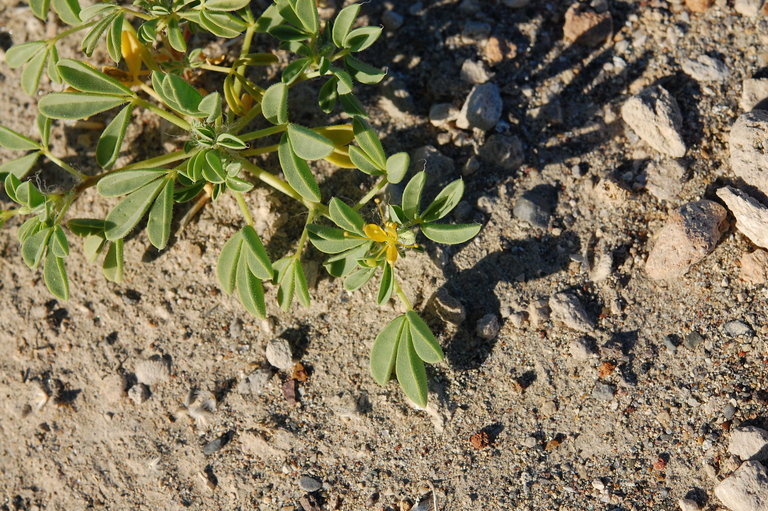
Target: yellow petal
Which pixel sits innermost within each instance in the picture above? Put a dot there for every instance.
(391, 254)
(131, 49)
(375, 233)
(340, 134)
(340, 158)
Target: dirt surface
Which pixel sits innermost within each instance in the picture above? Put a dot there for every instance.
(634, 420)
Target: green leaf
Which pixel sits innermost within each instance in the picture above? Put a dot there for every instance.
(269, 19)
(44, 128)
(221, 24)
(362, 72)
(343, 24)
(68, 11)
(58, 242)
(96, 9)
(285, 282)
(358, 279)
(130, 210)
(176, 36)
(226, 268)
(300, 284)
(361, 160)
(16, 141)
(28, 228)
(424, 341)
(361, 38)
(387, 285)
(331, 240)
(111, 139)
(328, 95)
(308, 144)
(127, 181)
(19, 167)
(396, 214)
(346, 217)
(450, 234)
(306, 10)
(86, 79)
(92, 37)
(55, 275)
(230, 142)
(33, 247)
(20, 54)
(275, 103)
(410, 370)
(77, 105)
(369, 142)
(211, 105)
(114, 38)
(297, 171)
(86, 226)
(344, 263)
(53, 61)
(445, 201)
(181, 95)
(225, 5)
(214, 171)
(397, 167)
(160, 216)
(412, 195)
(384, 351)
(238, 185)
(30, 76)
(40, 8)
(352, 105)
(258, 260)
(28, 195)
(92, 246)
(345, 83)
(294, 69)
(250, 290)
(112, 268)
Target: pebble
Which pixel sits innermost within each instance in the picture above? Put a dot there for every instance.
(655, 117)
(665, 179)
(568, 309)
(754, 91)
(217, 443)
(496, 50)
(751, 215)
(309, 484)
(748, 7)
(538, 312)
(698, 5)
(746, 489)
(749, 152)
(692, 339)
(518, 319)
(581, 348)
(473, 71)
(535, 206)
(440, 114)
(705, 69)
(139, 393)
(737, 328)
(392, 20)
(749, 443)
(472, 165)
(754, 267)
(448, 307)
(436, 164)
(255, 382)
(279, 354)
(670, 344)
(688, 505)
(530, 442)
(603, 391)
(587, 26)
(691, 232)
(729, 411)
(488, 327)
(482, 108)
(503, 151)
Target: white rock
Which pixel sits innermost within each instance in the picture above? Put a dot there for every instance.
(665, 179)
(581, 349)
(749, 443)
(441, 114)
(567, 309)
(138, 393)
(746, 489)
(705, 69)
(482, 108)
(748, 7)
(655, 116)
(754, 267)
(538, 312)
(279, 354)
(749, 148)
(751, 216)
(754, 91)
(152, 371)
(473, 71)
(688, 505)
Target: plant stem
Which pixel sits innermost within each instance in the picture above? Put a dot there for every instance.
(305, 234)
(72, 31)
(380, 184)
(136, 13)
(244, 208)
(243, 121)
(260, 150)
(158, 161)
(149, 90)
(70, 198)
(272, 130)
(211, 67)
(247, 38)
(168, 116)
(402, 295)
(76, 173)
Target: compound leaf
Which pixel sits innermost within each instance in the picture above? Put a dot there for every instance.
(445, 201)
(127, 181)
(297, 171)
(112, 268)
(77, 105)
(86, 79)
(343, 24)
(397, 167)
(55, 275)
(131, 209)
(412, 195)
(387, 285)
(308, 144)
(346, 217)
(275, 103)
(424, 341)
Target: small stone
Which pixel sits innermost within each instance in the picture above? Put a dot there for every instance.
(472, 165)
(749, 443)
(482, 108)
(291, 391)
(309, 484)
(488, 327)
(447, 307)
(729, 411)
(586, 26)
(497, 50)
(603, 391)
(530, 442)
(518, 319)
(217, 444)
(441, 114)
(502, 151)
(538, 312)
(279, 354)
(655, 117)
(255, 382)
(152, 371)
(749, 151)
(391, 20)
(705, 69)
(691, 232)
(665, 179)
(476, 30)
(480, 440)
(535, 206)
(748, 7)
(692, 339)
(436, 164)
(670, 344)
(751, 216)
(581, 349)
(737, 328)
(754, 267)
(568, 309)
(139, 393)
(473, 71)
(746, 489)
(698, 5)
(754, 93)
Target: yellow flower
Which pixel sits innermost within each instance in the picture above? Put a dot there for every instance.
(387, 235)
(131, 49)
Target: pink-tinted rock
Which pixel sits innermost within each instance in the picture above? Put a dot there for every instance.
(587, 27)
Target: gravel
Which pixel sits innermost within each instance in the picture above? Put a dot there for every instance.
(754, 93)
(535, 206)
(503, 151)
(568, 309)
(655, 117)
(488, 327)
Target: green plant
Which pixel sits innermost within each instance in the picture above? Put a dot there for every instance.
(151, 39)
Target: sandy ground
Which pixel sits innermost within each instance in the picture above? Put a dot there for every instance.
(633, 425)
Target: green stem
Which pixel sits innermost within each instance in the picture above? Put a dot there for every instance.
(211, 67)
(70, 199)
(159, 161)
(242, 122)
(401, 294)
(76, 173)
(247, 38)
(305, 234)
(244, 208)
(72, 31)
(272, 130)
(380, 184)
(260, 150)
(168, 116)
(136, 13)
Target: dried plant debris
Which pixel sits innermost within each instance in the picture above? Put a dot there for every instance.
(199, 406)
